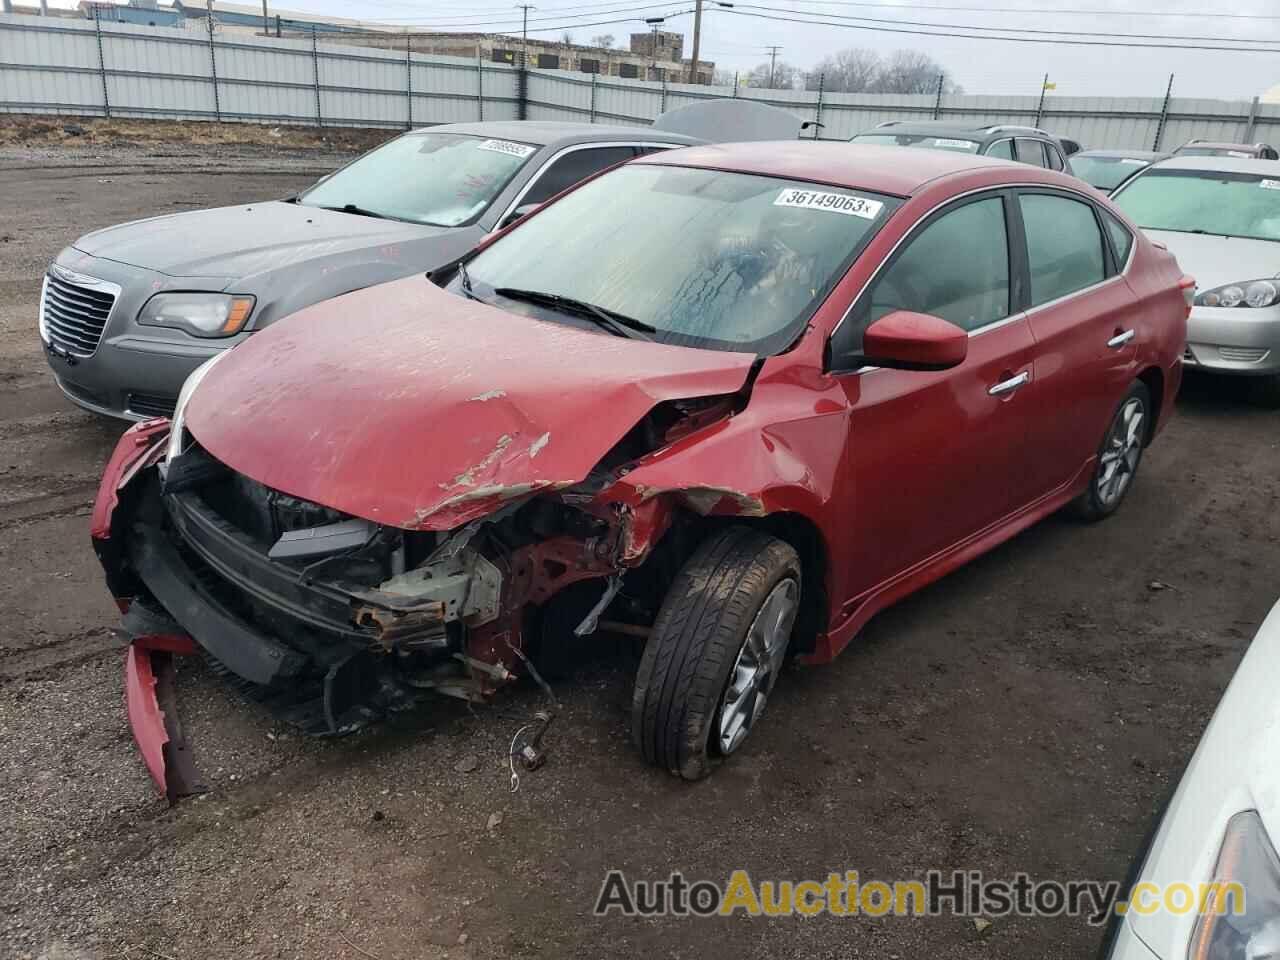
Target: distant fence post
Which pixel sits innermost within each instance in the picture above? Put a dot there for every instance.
(213, 68)
(817, 112)
(1044, 85)
(102, 64)
(1164, 114)
(315, 72)
(522, 89)
(735, 83)
(1252, 121)
(937, 100)
(593, 99)
(408, 83)
(479, 83)
(277, 26)
(663, 108)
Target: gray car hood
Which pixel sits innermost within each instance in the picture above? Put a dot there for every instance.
(1215, 261)
(240, 241)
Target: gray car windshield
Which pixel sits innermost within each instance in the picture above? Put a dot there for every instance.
(442, 179)
(1204, 201)
(705, 258)
(958, 144)
(1105, 173)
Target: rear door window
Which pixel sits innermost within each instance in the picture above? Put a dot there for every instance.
(956, 268)
(1030, 151)
(1002, 149)
(1055, 158)
(1121, 239)
(1064, 245)
(572, 167)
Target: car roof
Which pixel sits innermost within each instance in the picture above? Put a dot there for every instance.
(881, 169)
(1222, 145)
(1223, 164)
(557, 132)
(1123, 154)
(945, 127)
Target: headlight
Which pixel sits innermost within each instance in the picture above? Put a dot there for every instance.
(1246, 293)
(177, 427)
(1247, 864)
(199, 314)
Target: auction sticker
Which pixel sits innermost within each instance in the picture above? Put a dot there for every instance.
(832, 202)
(1133, 161)
(1269, 184)
(520, 150)
(954, 144)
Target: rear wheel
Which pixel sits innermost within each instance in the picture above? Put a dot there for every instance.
(1118, 456)
(717, 646)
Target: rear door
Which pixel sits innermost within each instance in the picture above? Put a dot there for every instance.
(1030, 151)
(1082, 314)
(936, 457)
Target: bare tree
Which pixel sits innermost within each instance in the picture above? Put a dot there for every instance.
(566, 37)
(850, 71)
(782, 77)
(910, 71)
(723, 78)
(602, 40)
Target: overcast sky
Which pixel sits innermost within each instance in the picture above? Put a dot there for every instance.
(736, 42)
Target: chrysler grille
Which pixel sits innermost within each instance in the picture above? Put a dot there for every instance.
(75, 314)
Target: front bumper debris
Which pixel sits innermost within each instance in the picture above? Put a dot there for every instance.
(151, 703)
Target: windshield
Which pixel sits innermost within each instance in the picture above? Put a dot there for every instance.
(1204, 201)
(1105, 173)
(705, 258)
(442, 179)
(918, 140)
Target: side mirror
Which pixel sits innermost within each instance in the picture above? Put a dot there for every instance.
(521, 211)
(904, 340)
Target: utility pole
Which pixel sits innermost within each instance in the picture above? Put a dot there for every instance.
(655, 22)
(266, 20)
(697, 40)
(524, 30)
(773, 62)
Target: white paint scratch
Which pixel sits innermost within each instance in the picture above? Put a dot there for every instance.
(490, 395)
(535, 448)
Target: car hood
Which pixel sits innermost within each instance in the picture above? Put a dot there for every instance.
(1215, 261)
(413, 407)
(241, 241)
(1233, 769)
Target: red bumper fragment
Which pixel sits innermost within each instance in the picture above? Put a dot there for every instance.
(153, 716)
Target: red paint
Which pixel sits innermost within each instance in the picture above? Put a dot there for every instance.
(146, 719)
(140, 446)
(918, 340)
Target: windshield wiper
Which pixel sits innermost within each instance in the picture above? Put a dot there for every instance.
(616, 323)
(359, 211)
(464, 281)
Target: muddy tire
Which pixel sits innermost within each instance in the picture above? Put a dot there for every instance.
(1119, 455)
(715, 651)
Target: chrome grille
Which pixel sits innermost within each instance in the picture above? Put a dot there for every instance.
(150, 405)
(74, 310)
(1243, 354)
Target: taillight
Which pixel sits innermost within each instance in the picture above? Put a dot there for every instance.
(1188, 287)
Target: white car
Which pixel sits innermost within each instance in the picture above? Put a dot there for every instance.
(1220, 825)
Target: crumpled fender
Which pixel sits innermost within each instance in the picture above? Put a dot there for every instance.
(139, 447)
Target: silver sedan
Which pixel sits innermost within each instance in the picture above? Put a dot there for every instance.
(1220, 216)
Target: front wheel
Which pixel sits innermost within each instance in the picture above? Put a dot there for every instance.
(715, 651)
(1118, 456)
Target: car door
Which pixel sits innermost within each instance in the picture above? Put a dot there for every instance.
(936, 457)
(1081, 313)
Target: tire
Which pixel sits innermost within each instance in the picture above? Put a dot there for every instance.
(1121, 448)
(1265, 391)
(699, 643)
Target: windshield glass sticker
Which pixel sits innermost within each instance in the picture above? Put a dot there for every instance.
(960, 144)
(1269, 184)
(833, 202)
(1134, 161)
(520, 150)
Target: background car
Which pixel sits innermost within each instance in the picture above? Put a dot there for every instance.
(1024, 144)
(1242, 151)
(1108, 169)
(1220, 217)
(127, 313)
(814, 380)
(1220, 825)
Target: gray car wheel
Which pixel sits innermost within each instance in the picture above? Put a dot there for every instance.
(1118, 456)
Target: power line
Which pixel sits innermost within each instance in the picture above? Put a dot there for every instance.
(1027, 30)
(951, 34)
(594, 9)
(1049, 12)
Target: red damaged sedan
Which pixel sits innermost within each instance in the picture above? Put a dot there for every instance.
(732, 399)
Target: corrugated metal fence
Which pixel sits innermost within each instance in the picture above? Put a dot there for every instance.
(51, 65)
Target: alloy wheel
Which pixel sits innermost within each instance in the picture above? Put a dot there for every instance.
(1123, 448)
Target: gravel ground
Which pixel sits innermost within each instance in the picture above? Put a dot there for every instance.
(1024, 714)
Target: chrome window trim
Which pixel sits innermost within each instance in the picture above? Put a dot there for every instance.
(960, 196)
(574, 148)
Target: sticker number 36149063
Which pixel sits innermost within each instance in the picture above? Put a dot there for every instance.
(831, 202)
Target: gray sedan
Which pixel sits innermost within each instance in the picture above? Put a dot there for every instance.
(128, 312)
(1220, 217)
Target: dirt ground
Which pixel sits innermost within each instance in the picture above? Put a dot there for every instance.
(1024, 714)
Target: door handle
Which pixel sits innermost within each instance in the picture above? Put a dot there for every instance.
(1010, 385)
(1120, 339)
